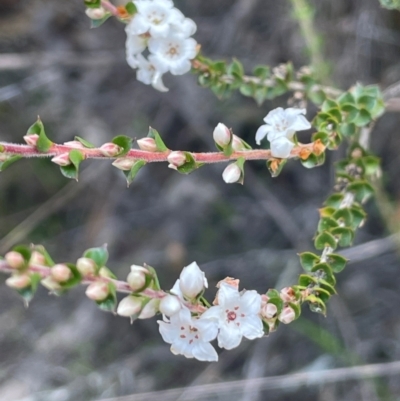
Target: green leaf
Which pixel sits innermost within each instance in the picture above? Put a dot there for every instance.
(363, 118)
(367, 102)
(326, 223)
(328, 287)
(337, 262)
(159, 142)
(317, 96)
(41, 249)
(317, 305)
(131, 8)
(322, 136)
(98, 255)
(92, 3)
(72, 170)
(277, 302)
(322, 294)
(362, 190)
(25, 251)
(123, 142)
(351, 112)
(85, 143)
(74, 280)
(296, 308)
(328, 105)
(248, 89)
(28, 292)
(313, 160)
(324, 272)
(308, 260)
(334, 200)
(43, 144)
(10, 160)
(345, 235)
(358, 216)
(347, 130)
(305, 280)
(190, 164)
(371, 164)
(131, 174)
(325, 239)
(281, 165)
(236, 69)
(262, 72)
(346, 98)
(343, 216)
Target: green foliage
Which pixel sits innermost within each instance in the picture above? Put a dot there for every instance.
(98, 255)
(390, 4)
(131, 174)
(157, 138)
(43, 144)
(72, 170)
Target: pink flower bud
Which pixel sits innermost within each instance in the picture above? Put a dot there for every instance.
(15, 260)
(74, 144)
(232, 174)
(237, 144)
(287, 315)
(96, 13)
(62, 160)
(110, 149)
(60, 273)
(269, 311)
(222, 135)
(177, 159)
(170, 305)
(137, 278)
(19, 281)
(287, 294)
(86, 266)
(147, 144)
(150, 309)
(97, 291)
(129, 306)
(31, 139)
(50, 284)
(124, 163)
(37, 259)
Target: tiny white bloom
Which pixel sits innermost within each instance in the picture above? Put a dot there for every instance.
(237, 315)
(172, 54)
(135, 45)
(183, 26)
(190, 337)
(149, 74)
(281, 147)
(192, 281)
(280, 122)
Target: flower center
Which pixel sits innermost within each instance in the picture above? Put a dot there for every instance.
(173, 50)
(231, 315)
(190, 334)
(156, 18)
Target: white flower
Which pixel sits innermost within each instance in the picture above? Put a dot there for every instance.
(282, 123)
(237, 315)
(135, 44)
(192, 281)
(149, 74)
(183, 26)
(190, 337)
(153, 17)
(172, 54)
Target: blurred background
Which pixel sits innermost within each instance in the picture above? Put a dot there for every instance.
(77, 80)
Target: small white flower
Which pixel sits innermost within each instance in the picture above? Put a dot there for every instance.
(237, 315)
(190, 337)
(135, 44)
(172, 54)
(192, 281)
(180, 25)
(153, 17)
(282, 123)
(149, 74)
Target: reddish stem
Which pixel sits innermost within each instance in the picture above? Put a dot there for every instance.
(27, 151)
(110, 8)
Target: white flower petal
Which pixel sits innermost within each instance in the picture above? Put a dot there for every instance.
(181, 67)
(205, 352)
(252, 327)
(228, 294)
(208, 328)
(157, 83)
(181, 347)
(229, 336)
(275, 116)
(138, 25)
(261, 132)
(251, 302)
(168, 331)
(300, 124)
(281, 147)
(214, 312)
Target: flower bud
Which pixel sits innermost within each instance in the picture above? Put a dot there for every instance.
(129, 306)
(37, 259)
(18, 281)
(170, 305)
(86, 266)
(192, 281)
(15, 260)
(124, 163)
(222, 135)
(62, 160)
(97, 291)
(287, 294)
(50, 284)
(147, 144)
(110, 149)
(269, 311)
(137, 277)
(150, 309)
(96, 13)
(287, 315)
(177, 159)
(60, 273)
(31, 139)
(232, 174)
(75, 144)
(237, 144)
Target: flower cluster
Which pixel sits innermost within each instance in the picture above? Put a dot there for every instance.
(280, 127)
(164, 32)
